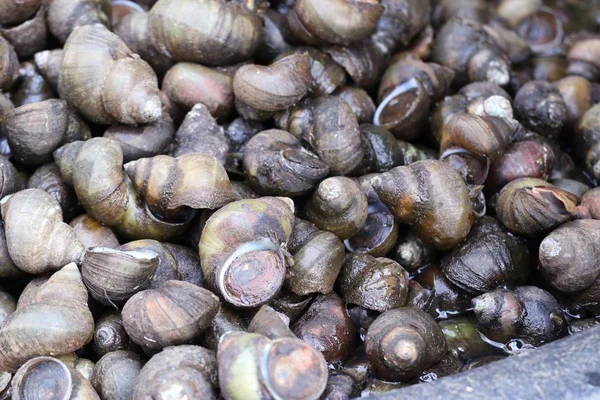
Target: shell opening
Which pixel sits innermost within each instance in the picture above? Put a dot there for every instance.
(252, 274)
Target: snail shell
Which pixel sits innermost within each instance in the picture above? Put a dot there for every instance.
(115, 374)
(260, 361)
(377, 284)
(231, 31)
(318, 257)
(31, 381)
(445, 219)
(66, 15)
(36, 130)
(107, 194)
(34, 225)
(241, 249)
(326, 326)
(169, 184)
(489, 258)
(402, 342)
(112, 275)
(55, 321)
(97, 69)
(277, 164)
(338, 206)
(171, 314)
(274, 87)
(180, 371)
(531, 207)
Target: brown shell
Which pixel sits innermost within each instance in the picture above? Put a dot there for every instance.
(274, 87)
(318, 257)
(331, 130)
(13, 12)
(259, 361)
(92, 233)
(489, 258)
(115, 374)
(66, 15)
(445, 219)
(147, 140)
(133, 30)
(189, 371)
(192, 180)
(338, 206)
(112, 275)
(378, 284)
(34, 225)
(277, 164)
(106, 193)
(97, 69)
(231, 32)
(241, 249)
(570, 267)
(172, 314)
(527, 313)
(9, 65)
(48, 178)
(473, 54)
(532, 207)
(187, 84)
(327, 327)
(401, 343)
(200, 133)
(334, 21)
(31, 381)
(56, 321)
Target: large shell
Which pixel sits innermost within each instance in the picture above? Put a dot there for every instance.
(252, 367)
(187, 371)
(401, 343)
(172, 314)
(532, 207)
(229, 32)
(241, 249)
(115, 373)
(107, 194)
(38, 240)
(444, 219)
(31, 381)
(489, 258)
(192, 180)
(36, 130)
(274, 87)
(112, 276)
(56, 321)
(97, 69)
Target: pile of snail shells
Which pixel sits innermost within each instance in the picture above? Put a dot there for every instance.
(297, 200)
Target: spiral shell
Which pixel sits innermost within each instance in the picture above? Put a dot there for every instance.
(276, 163)
(169, 184)
(261, 363)
(56, 321)
(241, 249)
(97, 69)
(444, 219)
(38, 240)
(172, 314)
(402, 342)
